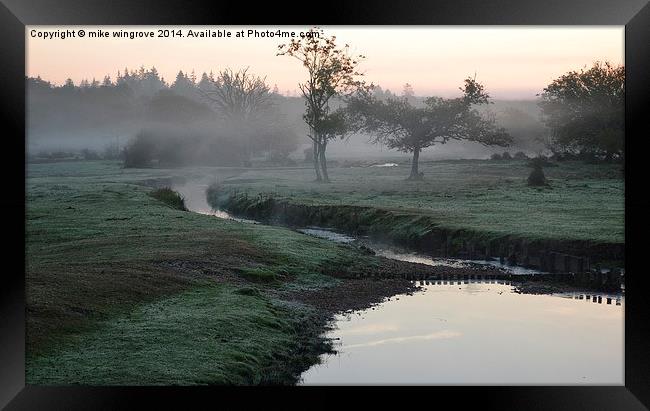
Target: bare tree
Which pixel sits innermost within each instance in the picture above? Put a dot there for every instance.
(242, 99)
(239, 96)
(332, 72)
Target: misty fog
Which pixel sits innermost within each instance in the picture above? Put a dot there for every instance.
(182, 127)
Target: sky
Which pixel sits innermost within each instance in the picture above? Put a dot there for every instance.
(513, 62)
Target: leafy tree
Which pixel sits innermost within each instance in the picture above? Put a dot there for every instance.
(332, 73)
(585, 111)
(399, 125)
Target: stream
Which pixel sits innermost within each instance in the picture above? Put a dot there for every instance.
(465, 332)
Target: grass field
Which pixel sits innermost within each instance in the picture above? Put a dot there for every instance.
(125, 289)
(583, 202)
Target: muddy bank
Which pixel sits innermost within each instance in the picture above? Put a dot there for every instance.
(421, 233)
(361, 290)
(354, 295)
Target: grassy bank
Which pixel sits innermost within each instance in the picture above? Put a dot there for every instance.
(217, 334)
(124, 289)
(460, 205)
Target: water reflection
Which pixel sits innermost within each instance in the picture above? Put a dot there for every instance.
(478, 333)
(193, 193)
(449, 262)
(395, 253)
(327, 234)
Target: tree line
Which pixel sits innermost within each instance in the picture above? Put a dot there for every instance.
(222, 119)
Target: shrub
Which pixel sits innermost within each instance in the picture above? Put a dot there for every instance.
(496, 156)
(169, 197)
(506, 156)
(140, 151)
(536, 177)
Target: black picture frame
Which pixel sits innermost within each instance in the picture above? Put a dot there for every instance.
(16, 14)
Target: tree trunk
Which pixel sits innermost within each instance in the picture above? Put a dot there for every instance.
(415, 175)
(316, 163)
(323, 162)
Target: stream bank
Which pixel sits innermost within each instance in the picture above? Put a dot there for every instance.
(582, 259)
(401, 276)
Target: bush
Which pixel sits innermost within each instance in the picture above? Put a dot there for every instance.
(520, 155)
(506, 156)
(199, 144)
(537, 178)
(495, 156)
(169, 197)
(140, 151)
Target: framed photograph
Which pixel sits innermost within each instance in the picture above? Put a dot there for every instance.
(443, 196)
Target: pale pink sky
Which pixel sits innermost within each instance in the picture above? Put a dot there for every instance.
(512, 61)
